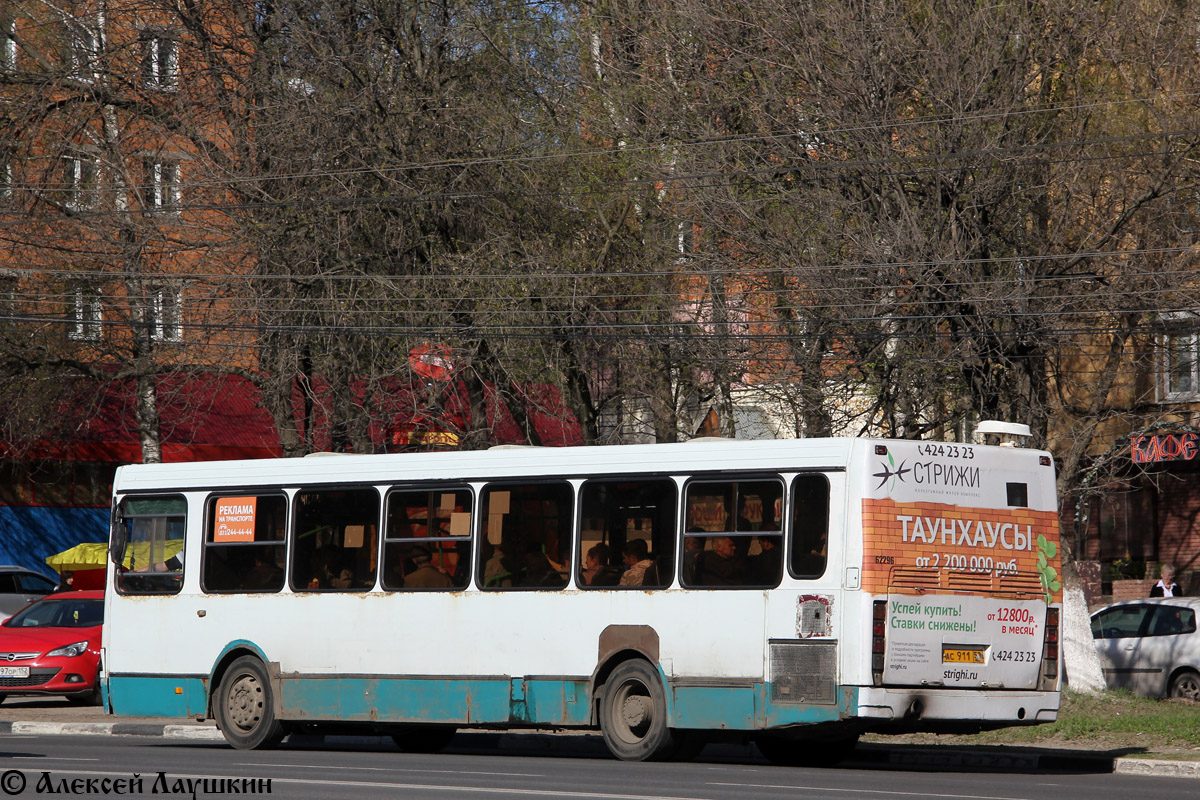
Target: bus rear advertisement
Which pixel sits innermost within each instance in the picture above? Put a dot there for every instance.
(793, 593)
(960, 552)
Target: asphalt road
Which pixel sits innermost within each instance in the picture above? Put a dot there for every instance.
(474, 767)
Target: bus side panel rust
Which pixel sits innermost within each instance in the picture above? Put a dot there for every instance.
(544, 700)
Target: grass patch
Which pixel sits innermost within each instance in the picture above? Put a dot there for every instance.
(1110, 720)
(1115, 718)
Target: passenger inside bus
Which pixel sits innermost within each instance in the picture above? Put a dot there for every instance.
(500, 570)
(693, 546)
(426, 575)
(637, 562)
(721, 565)
(321, 562)
(344, 580)
(265, 574)
(538, 570)
(462, 564)
(808, 558)
(599, 570)
(764, 569)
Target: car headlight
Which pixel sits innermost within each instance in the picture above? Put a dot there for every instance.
(70, 651)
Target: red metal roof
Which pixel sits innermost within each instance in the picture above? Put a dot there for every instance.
(203, 417)
(208, 417)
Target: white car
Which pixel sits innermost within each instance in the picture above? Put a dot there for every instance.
(19, 587)
(1150, 646)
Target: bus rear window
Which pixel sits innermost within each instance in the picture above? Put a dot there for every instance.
(810, 526)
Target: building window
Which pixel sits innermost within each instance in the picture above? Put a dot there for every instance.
(162, 185)
(1178, 373)
(8, 45)
(88, 316)
(8, 292)
(6, 176)
(160, 62)
(678, 238)
(80, 177)
(84, 54)
(685, 241)
(166, 314)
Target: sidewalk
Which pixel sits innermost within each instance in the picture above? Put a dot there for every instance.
(52, 716)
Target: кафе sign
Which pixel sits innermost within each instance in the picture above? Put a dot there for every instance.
(1164, 447)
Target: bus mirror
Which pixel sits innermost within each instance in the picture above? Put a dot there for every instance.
(116, 535)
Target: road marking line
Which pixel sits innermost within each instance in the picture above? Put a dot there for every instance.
(869, 791)
(392, 769)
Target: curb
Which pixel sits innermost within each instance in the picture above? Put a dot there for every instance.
(1157, 766)
(192, 732)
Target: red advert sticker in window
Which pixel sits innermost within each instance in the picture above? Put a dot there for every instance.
(235, 519)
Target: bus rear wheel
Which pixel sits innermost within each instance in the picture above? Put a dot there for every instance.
(245, 710)
(633, 714)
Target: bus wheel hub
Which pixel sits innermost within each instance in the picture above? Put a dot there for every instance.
(636, 711)
(244, 702)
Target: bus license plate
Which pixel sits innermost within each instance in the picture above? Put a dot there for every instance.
(962, 656)
(14, 672)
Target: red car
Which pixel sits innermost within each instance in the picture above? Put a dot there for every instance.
(52, 647)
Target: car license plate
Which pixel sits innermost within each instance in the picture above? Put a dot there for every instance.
(14, 672)
(962, 655)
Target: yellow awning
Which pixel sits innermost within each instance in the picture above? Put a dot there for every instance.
(94, 555)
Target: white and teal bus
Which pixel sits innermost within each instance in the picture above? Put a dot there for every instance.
(796, 592)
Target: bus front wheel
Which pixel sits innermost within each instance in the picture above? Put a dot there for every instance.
(244, 709)
(633, 714)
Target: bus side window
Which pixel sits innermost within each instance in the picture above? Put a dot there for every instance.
(810, 526)
(613, 516)
(244, 543)
(733, 535)
(427, 539)
(526, 535)
(334, 541)
(153, 557)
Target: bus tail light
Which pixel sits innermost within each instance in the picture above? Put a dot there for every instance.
(1050, 646)
(878, 639)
